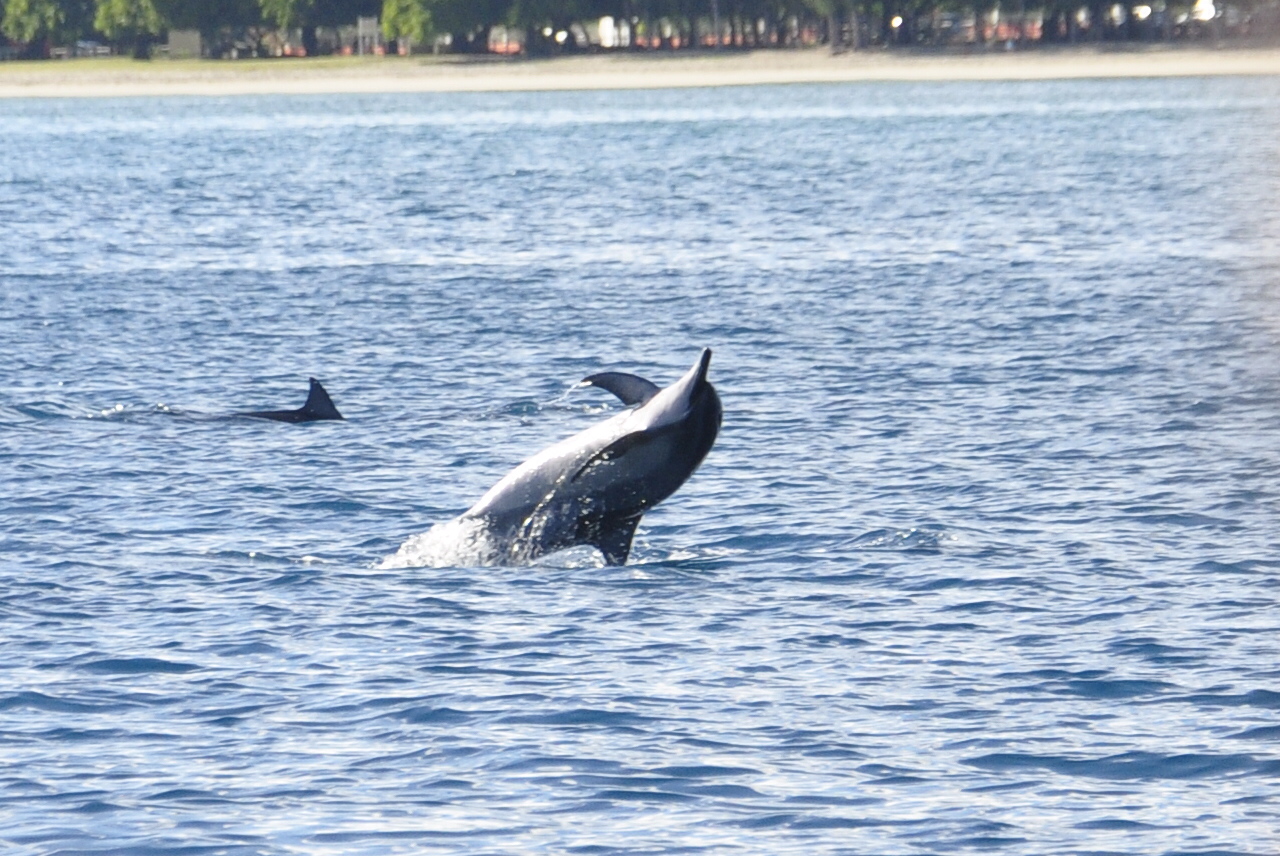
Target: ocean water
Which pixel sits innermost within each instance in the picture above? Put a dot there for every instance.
(985, 559)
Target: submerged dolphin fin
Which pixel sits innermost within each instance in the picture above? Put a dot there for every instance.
(614, 538)
(319, 406)
(632, 389)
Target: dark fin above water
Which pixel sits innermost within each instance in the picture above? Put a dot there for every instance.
(632, 389)
(614, 539)
(319, 406)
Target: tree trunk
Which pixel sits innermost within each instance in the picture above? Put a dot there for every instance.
(310, 42)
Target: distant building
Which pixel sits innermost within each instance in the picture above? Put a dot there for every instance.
(368, 37)
(185, 44)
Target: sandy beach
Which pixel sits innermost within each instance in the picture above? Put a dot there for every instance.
(121, 77)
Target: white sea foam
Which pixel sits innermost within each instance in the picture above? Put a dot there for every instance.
(459, 542)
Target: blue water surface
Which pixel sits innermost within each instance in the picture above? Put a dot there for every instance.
(986, 558)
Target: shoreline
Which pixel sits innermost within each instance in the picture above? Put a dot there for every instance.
(123, 77)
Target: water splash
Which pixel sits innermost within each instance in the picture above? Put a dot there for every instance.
(460, 542)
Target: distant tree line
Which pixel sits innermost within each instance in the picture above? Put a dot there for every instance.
(543, 27)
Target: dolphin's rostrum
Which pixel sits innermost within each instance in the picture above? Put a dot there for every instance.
(318, 406)
(594, 487)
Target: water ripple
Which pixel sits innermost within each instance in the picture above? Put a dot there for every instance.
(983, 559)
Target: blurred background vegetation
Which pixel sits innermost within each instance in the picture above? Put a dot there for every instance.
(265, 28)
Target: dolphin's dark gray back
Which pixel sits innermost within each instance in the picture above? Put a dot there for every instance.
(319, 406)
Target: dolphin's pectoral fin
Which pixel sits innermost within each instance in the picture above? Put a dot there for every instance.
(632, 389)
(622, 446)
(614, 538)
(611, 452)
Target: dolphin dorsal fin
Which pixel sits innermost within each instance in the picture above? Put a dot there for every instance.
(319, 405)
(632, 389)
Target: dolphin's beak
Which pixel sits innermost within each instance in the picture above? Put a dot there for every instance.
(693, 379)
(704, 363)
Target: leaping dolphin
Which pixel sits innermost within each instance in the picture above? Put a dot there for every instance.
(594, 487)
(318, 406)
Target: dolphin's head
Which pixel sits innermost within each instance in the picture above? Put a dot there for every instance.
(686, 416)
(691, 395)
(700, 394)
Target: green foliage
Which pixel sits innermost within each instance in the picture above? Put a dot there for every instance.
(317, 13)
(208, 16)
(535, 12)
(128, 18)
(287, 13)
(460, 16)
(24, 20)
(406, 19)
(754, 23)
